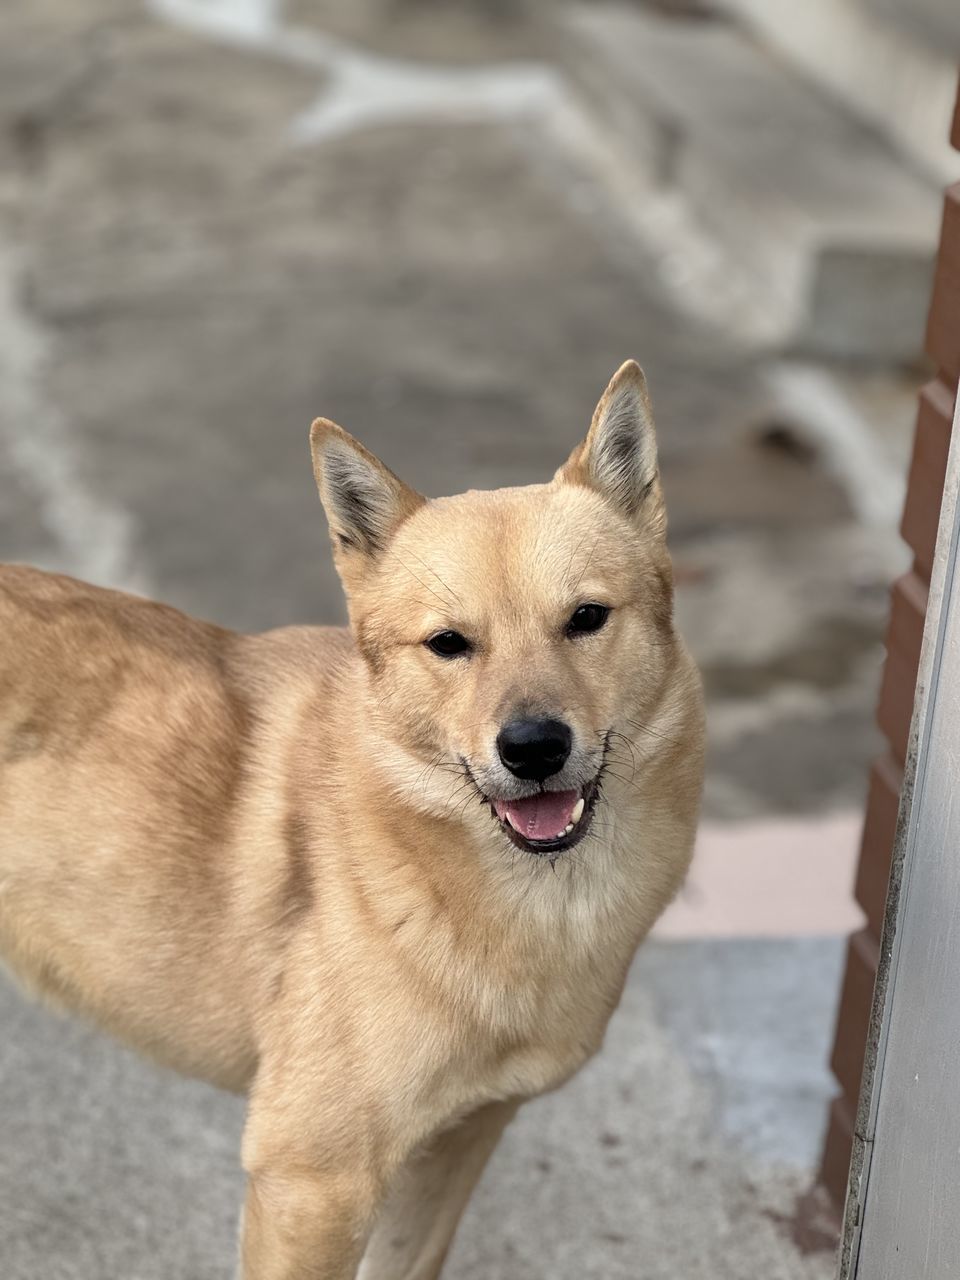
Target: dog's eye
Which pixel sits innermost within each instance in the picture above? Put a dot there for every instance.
(448, 644)
(589, 617)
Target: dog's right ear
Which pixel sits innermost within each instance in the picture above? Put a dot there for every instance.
(364, 501)
(619, 456)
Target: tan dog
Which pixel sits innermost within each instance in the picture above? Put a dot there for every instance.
(389, 880)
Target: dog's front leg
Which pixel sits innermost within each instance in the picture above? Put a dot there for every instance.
(299, 1224)
(415, 1226)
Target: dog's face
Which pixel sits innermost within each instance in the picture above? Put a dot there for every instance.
(512, 637)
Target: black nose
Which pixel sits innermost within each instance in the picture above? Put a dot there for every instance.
(534, 748)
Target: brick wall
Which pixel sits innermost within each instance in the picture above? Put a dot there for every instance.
(904, 633)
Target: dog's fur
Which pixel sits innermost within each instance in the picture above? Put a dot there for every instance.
(273, 861)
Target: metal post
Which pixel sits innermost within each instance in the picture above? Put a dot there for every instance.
(902, 1219)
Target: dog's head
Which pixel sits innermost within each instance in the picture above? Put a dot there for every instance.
(511, 637)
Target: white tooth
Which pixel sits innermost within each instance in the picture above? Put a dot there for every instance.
(577, 812)
(568, 829)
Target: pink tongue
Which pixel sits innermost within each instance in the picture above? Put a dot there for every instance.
(541, 817)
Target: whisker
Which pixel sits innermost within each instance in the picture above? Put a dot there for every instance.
(573, 554)
(645, 728)
(428, 767)
(596, 543)
(627, 782)
(622, 737)
(426, 586)
(436, 575)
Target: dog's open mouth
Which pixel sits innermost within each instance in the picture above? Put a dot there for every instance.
(550, 821)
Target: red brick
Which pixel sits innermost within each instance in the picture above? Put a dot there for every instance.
(835, 1162)
(853, 1015)
(943, 321)
(928, 467)
(904, 636)
(876, 848)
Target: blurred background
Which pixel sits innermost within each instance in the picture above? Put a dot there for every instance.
(444, 225)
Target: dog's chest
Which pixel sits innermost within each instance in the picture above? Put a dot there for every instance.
(536, 1031)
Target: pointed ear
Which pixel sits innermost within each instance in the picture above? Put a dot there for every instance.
(364, 501)
(619, 456)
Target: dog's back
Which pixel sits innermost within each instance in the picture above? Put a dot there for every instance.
(150, 724)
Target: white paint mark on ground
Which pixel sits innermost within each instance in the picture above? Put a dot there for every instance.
(813, 401)
(242, 21)
(95, 537)
(363, 89)
(367, 90)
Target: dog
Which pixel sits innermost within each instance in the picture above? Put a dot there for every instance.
(386, 880)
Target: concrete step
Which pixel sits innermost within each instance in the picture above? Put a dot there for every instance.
(893, 63)
(811, 207)
(936, 23)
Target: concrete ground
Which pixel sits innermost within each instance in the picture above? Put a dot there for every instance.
(218, 220)
(682, 1151)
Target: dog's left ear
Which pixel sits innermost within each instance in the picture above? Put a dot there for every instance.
(364, 501)
(619, 456)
